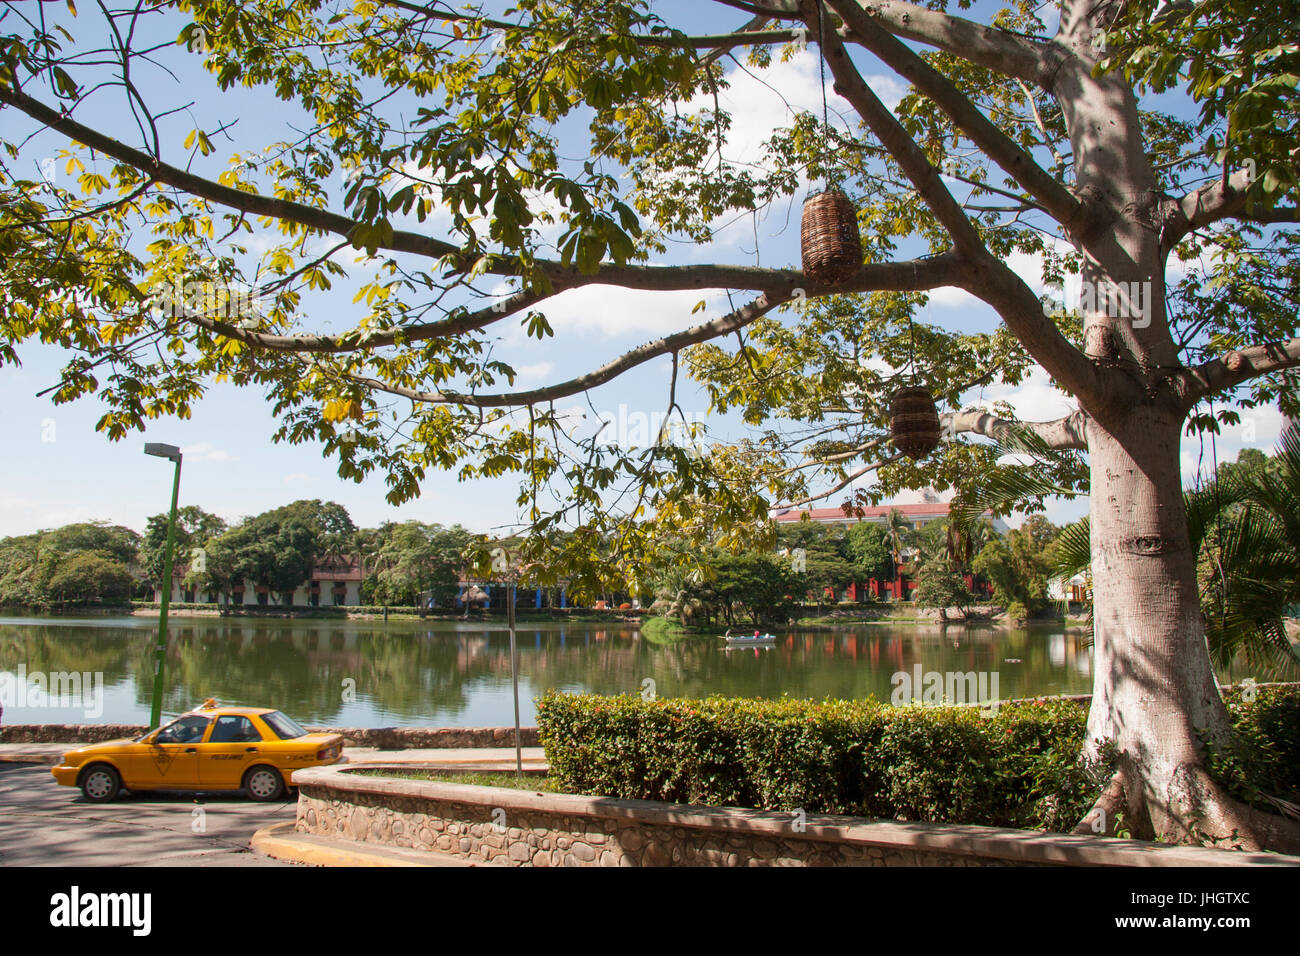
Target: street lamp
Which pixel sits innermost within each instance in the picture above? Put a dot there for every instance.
(514, 672)
(159, 450)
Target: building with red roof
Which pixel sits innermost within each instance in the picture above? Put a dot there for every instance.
(916, 516)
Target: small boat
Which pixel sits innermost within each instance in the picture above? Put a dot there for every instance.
(749, 640)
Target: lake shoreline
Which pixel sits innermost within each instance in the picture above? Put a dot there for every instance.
(210, 612)
(656, 627)
(445, 672)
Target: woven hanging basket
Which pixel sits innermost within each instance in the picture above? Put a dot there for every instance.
(914, 422)
(832, 248)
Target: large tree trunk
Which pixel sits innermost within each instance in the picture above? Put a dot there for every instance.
(1154, 691)
(1155, 696)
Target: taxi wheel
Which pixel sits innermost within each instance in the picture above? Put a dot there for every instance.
(264, 783)
(100, 783)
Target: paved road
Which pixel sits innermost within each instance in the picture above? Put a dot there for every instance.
(43, 824)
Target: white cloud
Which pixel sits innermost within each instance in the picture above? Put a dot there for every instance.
(206, 451)
(761, 99)
(533, 372)
(1033, 400)
(613, 311)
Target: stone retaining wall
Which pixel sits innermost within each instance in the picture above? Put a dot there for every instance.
(529, 828)
(66, 733)
(384, 738)
(419, 738)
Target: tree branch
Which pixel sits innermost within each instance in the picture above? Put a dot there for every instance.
(456, 324)
(562, 277)
(1279, 215)
(990, 47)
(1052, 195)
(865, 469)
(1063, 433)
(999, 50)
(912, 276)
(1234, 368)
(1202, 207)
(745, 36)
(628, 360)
(248, 202)
(909, 156)
(986, 276)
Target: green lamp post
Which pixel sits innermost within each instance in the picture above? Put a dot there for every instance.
(173, 453)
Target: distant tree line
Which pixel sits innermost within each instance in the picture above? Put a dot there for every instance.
(813, 563)
(78, 563)
(94, 562)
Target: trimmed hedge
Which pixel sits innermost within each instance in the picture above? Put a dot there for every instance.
(1020, 768)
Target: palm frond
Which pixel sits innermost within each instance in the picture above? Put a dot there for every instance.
(1072, 550)
(999, 488)
(1002, 486)
(1256, 576)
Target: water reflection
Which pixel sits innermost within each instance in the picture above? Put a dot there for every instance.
(458, 674)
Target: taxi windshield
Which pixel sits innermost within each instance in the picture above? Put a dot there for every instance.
(187, 730)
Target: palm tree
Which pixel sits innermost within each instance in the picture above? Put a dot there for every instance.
(1246, 530)
(898, 530)
(932, 547)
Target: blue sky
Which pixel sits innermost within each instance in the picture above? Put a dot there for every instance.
(62, 470)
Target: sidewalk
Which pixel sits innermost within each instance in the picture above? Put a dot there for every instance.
(455, 758)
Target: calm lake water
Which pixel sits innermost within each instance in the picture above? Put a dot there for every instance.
(410, 673)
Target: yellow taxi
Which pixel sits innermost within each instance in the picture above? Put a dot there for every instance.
(212, 747)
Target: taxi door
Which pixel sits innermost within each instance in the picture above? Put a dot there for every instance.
(230, 749)
(170, 759)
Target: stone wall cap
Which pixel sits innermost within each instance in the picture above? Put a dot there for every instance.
(1019, 846)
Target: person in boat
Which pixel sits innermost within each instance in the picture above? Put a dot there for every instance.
(756, 634)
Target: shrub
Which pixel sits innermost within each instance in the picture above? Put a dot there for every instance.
(1264, 755)
(1017, 611)
(1018, 768)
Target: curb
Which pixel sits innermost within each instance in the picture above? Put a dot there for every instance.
(49, 760)
(282, 842)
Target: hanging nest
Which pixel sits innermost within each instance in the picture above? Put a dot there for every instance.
(832, 248)
(914, 422)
